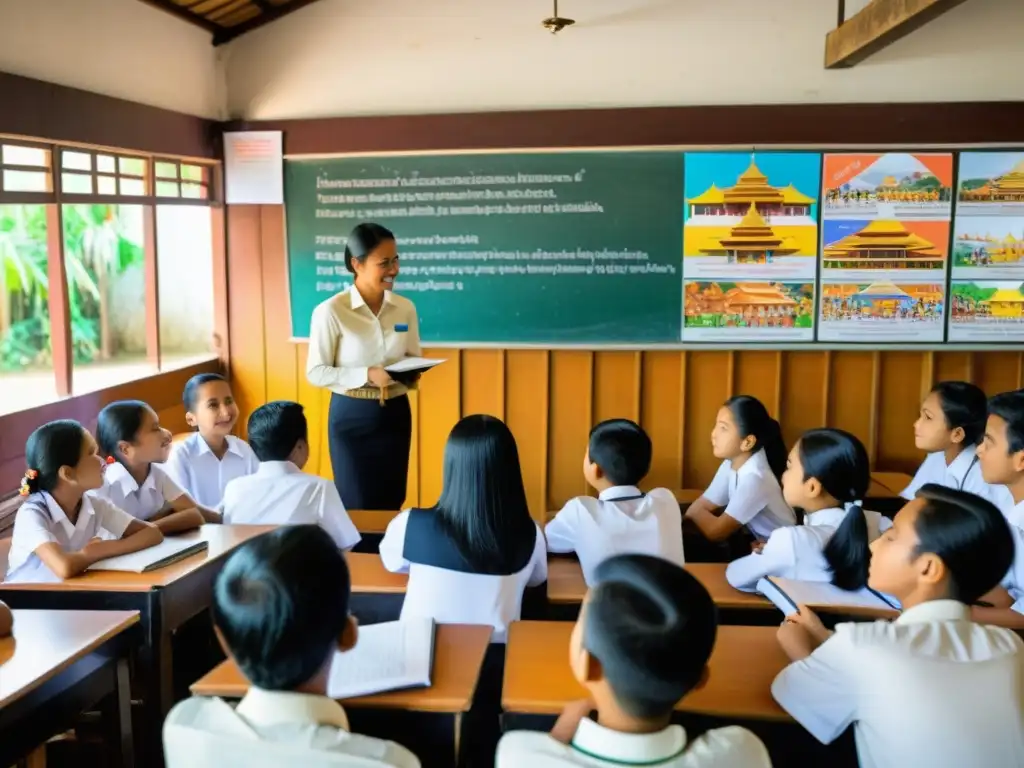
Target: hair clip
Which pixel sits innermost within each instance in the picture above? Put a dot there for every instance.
(30, 475)
(111, 460)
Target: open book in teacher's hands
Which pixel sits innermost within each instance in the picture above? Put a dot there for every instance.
(788, 594)
(387, 657)
(406, 370)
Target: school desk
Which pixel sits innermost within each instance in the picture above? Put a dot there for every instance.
(377, 594)
(894, 482)
(459, 651)
(165, 599)
(58, 664)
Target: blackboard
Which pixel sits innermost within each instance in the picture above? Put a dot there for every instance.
(533, 248)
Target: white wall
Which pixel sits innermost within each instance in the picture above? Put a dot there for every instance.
(351, 57)
(119, 48)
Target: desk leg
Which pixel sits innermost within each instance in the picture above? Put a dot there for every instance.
(123, 694)
(158, 695)
(457, 724)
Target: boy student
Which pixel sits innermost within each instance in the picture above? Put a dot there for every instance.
(931, 687)
(280, 492)
(622, 518)
(280, 609)
(641, 643)
(211, 457)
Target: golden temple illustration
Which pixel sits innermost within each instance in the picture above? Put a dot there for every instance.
(752, 190)
(1008, 188)
(881, 299)
(1006, 303)
(988, 250)
(882, 245)
(744, 298)
(752, 241)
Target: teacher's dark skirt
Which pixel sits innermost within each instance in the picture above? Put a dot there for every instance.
(370, 450)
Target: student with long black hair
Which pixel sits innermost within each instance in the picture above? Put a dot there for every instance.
(950, 428)
(472, 555)
(827, 476)
(749, 442)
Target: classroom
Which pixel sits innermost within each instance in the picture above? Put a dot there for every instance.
(595, 267)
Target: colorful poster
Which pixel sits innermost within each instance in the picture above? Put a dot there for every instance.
(762, 311)
(986, 311)
(988, 233)
(750, 227)
(884, 246)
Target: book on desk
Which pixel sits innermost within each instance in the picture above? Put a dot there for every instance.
(390, 656)
(168, 551)
(789, 594)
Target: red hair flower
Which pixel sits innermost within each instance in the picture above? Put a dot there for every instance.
(111, 460)
(26, 482)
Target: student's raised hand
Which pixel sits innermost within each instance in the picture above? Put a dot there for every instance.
(569, 720)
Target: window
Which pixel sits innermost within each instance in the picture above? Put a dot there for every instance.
(175, 179)
(25, 169)
(184, 238)
(102, 174)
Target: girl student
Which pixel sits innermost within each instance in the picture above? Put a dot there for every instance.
(826, 476)
(60, 530)
(129, 432)
(949, 428)
(749, 442)
(471, 557)
(211, 457)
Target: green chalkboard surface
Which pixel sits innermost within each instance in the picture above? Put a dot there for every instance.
(536, 248)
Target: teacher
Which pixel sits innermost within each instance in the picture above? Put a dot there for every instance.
(352, 336)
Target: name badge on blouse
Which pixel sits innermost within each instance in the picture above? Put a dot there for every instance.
(403, 328)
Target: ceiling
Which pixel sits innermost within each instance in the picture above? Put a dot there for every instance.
(227, 19)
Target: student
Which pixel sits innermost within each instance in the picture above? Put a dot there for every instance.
(949, 429)
(280, 609)
(129, 432)
(622, 518)
(826, 476)
(641, 643)
(470, 558)
(931, 687)
(58, 528)
(749, 442)
(280, 493)
(6, 619)
(207, 460)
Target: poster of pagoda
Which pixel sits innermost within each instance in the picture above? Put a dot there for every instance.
(885, 246)
(756, 311)
(986, 311)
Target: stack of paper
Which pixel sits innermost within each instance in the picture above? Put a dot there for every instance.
(168, 551)
(387, 657)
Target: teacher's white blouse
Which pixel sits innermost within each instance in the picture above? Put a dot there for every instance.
(346, 339)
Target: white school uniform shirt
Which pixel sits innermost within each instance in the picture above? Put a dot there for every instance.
(41, 520)
(751, 496)
(1013, 582)
(156, 492)
(282, 494)
(456, 597)
(269, 729)
(621, 520)
(964, 474)
(346, 339)
(196, 468)
(595, 745)
(798, 551)
(931, 688)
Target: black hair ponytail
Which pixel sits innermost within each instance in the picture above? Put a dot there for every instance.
(839, 461)
(752, 418)
(119, 422)
(52, 446)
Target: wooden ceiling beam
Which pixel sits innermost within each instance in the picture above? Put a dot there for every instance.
(276, 12)
(182, 13)
(878, 25)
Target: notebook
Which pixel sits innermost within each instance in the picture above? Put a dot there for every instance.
(787, 594)
(388, 657)
(405, 370)
(166, 552)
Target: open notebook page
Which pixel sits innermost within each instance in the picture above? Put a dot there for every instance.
(787, 594)
(387, 657)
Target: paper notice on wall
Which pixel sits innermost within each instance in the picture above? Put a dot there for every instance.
(254, 168)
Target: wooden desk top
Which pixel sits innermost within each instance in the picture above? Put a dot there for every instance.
(368, 574)
(221, 539)
(566, 585)
(45, 643)
(893, 482)
(741, 669)
(371, 520)
(458, 657)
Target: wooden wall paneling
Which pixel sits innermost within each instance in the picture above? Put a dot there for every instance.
(316, 417)
(326, 470)
(826, 388)
(221, 334)
(440, 405)
(898, 407)
(997, 372)
(570, 415)
(617, 386)
(706, 391)
(412, 484)
(952, 366)
(661, 416)
(802, 403)
(59, 306)
(246, 307)
(927, 374)
(759, 374)
(282, 363)
(483, 382)
(527, 412)
(852, 404)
